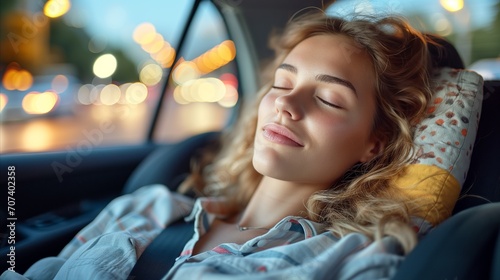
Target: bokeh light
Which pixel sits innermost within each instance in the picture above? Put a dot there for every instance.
(178, 96)
(452, 5)
(185, 71)
(23, 80)
(16, 78)
(3, 101)
(83, 94)
(154, 44)
(110, 94)
(136, 93)
(56, 8)
(60, 83)
(223, 91)
(216, 57)
(151, 74)
(229, 79)
(37, 136)
(105, 65)
(144, 33)
(165, 56)
(123, 91)
(230, 98)
(208, 90)
(39, 103)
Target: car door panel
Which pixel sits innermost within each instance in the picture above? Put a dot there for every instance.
(55, 194)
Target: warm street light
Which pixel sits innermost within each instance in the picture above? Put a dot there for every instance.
(452, 5)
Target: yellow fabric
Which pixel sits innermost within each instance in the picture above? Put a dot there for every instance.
(433, 189)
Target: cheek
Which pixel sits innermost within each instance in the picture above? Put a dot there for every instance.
(266, 106)
(267, 101)
(327, 127)
(343, 139)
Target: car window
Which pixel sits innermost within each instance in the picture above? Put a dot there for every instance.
(204, 86)
(91, 72)
(75, 72)
(473, 27)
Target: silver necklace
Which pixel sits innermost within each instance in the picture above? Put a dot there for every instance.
(240, 228)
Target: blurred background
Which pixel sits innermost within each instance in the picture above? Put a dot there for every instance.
(95, 69)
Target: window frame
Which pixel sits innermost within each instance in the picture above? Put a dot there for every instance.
(166, 84)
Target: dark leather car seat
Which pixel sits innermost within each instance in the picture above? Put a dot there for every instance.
(168, 165)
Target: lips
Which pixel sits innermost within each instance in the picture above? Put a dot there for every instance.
(279, 134)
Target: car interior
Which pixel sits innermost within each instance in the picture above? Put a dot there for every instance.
(58, 193)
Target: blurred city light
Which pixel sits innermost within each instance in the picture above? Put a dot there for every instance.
(185, 71)
(83, 94)
(165, 56)
(216, 57)
(95, 94)
(191, 88)
(3, 101)
(229, 79)
(200, 90)
(144, 33)
(123, 91)
(60, 83)
(56, 8)
(110, 94)
(230, 98)
(136, 93)
(37, 103)
(17, 79)
(105, 66)
(151, 74)
(37, 136)
(452, 5)
(154, 44)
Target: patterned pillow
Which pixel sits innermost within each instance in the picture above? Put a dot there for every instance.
(444, 140)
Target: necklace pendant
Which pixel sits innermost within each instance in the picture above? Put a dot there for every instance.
(240, 228)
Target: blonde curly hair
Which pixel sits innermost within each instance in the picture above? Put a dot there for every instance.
(363, 200)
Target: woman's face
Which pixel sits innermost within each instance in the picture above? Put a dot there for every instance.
(316, 121)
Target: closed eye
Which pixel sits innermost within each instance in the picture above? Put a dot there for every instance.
(280, 88)
(328, 103)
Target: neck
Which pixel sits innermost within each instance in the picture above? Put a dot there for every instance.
(274, 200)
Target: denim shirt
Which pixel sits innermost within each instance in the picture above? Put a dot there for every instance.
(295, 248)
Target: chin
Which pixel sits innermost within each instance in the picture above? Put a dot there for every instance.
(268, 168)
(270, 162)
(264, 166)
(259, 166)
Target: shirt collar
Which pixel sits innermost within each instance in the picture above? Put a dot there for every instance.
(204, 218)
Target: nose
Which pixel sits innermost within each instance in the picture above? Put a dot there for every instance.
(289, 106)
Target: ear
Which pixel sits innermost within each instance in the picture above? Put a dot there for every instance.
(374, 148)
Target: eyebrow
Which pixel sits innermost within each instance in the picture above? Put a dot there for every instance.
(288, 67)
(322, 77)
